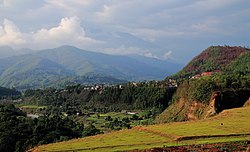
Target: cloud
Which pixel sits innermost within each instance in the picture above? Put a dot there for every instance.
(150, 55)
(175, 25)
(19, 5)
(151, 35)
(69, 31)
(168, 55)
(122, 50)
(105, 14)
(5, 3)
(10, 34)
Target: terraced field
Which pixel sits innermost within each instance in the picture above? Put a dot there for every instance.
(229, 126)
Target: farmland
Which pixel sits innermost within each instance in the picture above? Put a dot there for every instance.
(229, 126)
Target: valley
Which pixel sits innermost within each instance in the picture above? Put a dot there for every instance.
(124, 76)
(202, 105)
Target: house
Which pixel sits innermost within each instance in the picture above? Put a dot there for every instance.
(196, 76)
(206, 73)
(132, 113)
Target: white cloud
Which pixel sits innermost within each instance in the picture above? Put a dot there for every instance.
(20, 5)
(10, 34)
(105, 14)
(150, 55)
(6, 3)
(122, 50)
(168, 55)
(69, 31)
(176, 25)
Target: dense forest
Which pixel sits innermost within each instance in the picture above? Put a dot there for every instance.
(76, 99)
(19, 133)
(9, 93)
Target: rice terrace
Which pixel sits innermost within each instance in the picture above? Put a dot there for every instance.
(229, 126)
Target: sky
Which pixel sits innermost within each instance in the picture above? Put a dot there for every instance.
(174, 30)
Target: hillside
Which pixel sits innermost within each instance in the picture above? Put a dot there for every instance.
(217, 59)
(33, 72)
(217, 79)
(230, 125)
(67, 65)
(101, 98)
(5, 92)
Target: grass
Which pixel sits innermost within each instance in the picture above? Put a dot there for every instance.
(33, 107)
(230, 125)
(99, 120)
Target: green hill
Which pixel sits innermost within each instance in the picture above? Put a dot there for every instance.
(33, 72)
(230, 125)
(217, 58)
(217, 79)
(5, 93)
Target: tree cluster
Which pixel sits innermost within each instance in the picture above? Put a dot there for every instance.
(19, 133)
(75, 99)
(201, 89)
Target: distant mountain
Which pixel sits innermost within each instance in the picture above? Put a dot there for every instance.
(160, 64)
(5, 93)
(6, 51)
(67, 64)
(218, 58)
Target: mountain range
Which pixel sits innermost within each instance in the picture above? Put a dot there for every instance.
(60, 66)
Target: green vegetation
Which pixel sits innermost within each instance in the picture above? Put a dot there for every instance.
(216, 59)
(230, 125)
(216, 80)
(33, 107)
(201, 89)
(117, 120)
(192, 99)
(102, 99)
(19, 133)
(241, 65)
(9, 93)
(219, 74)
(105, 107)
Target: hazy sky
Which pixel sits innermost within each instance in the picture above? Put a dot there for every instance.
(176, 29)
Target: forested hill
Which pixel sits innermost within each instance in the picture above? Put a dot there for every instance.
(5, 92)
(215, 80)
(101, 98)
(230, 59)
